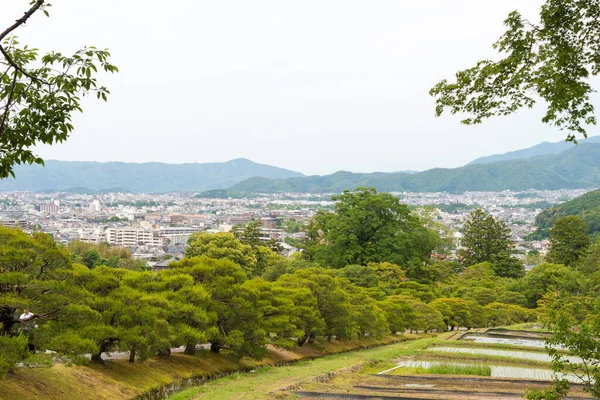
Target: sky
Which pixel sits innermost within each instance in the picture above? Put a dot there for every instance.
(312, 86)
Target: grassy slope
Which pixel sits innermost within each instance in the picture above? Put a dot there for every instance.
(256, 385)
(121, 380)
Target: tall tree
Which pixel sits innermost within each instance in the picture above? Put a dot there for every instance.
(552, 60)
(569, 241)
(486, 239)
(221, 245)
(39, 95)
(367, 226)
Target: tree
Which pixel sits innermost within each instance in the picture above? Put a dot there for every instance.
(38, 96)
(575, 326)
(28, 269)
(552, 60)
(486, 239)
(367, 226)
(569, 241)
(221, 245)
(333, 302)
(550, 277)
(238, 324)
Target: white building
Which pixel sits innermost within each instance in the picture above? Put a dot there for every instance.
(131, 237)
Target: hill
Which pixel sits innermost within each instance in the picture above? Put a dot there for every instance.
(578, 167)
(586, 207)
(542, 149)
(152, 177)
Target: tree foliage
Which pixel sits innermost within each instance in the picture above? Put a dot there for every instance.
(201, 299)
(40, 94)
(569, 241)
(367, 226)
(552, 60)
(486, 239)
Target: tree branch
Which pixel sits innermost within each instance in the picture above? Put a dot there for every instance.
(17, 67)
(36, 316)
(38, 4)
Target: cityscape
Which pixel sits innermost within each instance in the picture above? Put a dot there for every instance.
(157, 226)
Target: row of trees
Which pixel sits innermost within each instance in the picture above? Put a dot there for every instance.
(201, 299)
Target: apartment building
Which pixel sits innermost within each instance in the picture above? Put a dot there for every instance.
(131, 237)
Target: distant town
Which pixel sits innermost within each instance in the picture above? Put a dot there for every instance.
(157, 227)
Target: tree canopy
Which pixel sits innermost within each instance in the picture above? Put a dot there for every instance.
(486, 239)
(552, 60)
(367, 226)
(569, 241)
(40, 94)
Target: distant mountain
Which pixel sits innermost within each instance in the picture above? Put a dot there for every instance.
(542, 149)
(137, 177)
(578, 167)
(586, 207)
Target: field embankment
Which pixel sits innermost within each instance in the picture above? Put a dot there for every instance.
(122, 380)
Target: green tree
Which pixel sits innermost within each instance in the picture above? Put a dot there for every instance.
(221, 245)
(398, 312)
(550, 277)
(486, 239)
(552, 61)
(238, 326)
(39, 95)
(333, 302)
(575, 326)
(29, 266)
(569, 241)
(367, 226)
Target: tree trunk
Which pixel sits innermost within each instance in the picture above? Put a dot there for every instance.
(303, 340)
(215, 347)
(132, 355)
(98, 358)
(164, 352)
(7, 316)
(190, 349)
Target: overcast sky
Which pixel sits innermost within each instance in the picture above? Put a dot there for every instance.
(313, 86)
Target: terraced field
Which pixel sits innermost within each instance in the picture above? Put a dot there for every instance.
(482, 364)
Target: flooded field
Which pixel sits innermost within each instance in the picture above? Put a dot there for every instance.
(537, 343)
(451, 370)
(498, 371)
(524, 355)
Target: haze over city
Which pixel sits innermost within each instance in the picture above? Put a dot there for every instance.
(314, 87)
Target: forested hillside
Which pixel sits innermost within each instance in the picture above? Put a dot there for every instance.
(542, 149)
(586, 207)
(575, 168)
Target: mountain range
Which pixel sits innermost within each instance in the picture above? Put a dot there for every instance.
(542, 149)
(151, 177)
(578, 167)
(544, 166)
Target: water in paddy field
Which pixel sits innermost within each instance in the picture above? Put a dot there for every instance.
(538, 343)
(523, 355)
(498, 371)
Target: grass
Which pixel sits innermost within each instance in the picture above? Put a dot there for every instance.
(123, 380)
(525, 326)
(257, 385)
(449, 369)
(445, 369)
